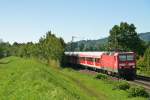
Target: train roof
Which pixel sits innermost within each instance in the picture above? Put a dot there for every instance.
(85, 54)
(94, 54)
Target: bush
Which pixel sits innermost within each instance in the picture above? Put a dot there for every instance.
(140, 64)
(101, 76)
(122, 85)
(137, 91)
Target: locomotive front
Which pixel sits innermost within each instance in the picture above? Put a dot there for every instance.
(127, 65)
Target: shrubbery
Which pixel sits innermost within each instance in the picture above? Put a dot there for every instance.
(101, 76)
(144, 62)
(133, 91)
(122, 85)
(137, 91)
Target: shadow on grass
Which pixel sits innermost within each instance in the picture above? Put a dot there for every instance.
(73, 66)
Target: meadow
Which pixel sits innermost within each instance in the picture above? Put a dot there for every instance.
(29, 79)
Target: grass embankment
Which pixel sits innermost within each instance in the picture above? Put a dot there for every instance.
(27, 79)
(143, 73)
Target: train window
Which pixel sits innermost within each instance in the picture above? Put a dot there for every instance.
(82, 58)
(97, 60)
(122, 57)
(89, 59)
(130, 57)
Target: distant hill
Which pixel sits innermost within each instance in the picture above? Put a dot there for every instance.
(145, 36)
(96, 44)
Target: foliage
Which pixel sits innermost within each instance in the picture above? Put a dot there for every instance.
(125, 37)
(51, 47)
(101, 76)
(122, 85)
(144, 62)
(141, 64)
(4, 49)
(137, 91)
(88, 45)
(147, 58)
(48, 48)
(100, 44)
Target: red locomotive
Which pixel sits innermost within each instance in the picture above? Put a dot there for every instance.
(119, 63)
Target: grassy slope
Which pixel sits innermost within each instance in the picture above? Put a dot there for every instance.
(100, 89)
(27, 79)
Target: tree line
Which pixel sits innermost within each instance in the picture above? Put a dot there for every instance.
(49, 47)
(123, 37)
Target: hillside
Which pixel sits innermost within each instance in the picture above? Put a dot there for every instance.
(90, 44)
(145, 36)
(27, 79)
(23, 79)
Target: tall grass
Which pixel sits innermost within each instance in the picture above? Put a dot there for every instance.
(28, 79)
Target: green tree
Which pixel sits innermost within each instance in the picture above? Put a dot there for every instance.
(125, 37)
(147, 58)
(144, 62)
(51, 47)
(48, 48)
(4, 49)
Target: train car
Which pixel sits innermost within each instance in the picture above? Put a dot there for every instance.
(120, 63)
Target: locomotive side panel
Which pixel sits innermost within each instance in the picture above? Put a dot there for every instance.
(109, 63)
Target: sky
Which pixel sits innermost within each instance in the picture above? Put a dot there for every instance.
(28, 20)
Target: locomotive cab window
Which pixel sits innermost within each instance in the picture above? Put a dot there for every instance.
(122, 57)
(130, 57)
(126, 57)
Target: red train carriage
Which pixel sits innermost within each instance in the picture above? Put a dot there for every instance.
(121, 63)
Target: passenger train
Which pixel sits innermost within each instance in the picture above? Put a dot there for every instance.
(122, 64)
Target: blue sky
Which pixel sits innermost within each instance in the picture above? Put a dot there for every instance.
(28, 20)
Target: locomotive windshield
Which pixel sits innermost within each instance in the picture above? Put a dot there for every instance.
(130, 57)
(122, 57)
(126, 57)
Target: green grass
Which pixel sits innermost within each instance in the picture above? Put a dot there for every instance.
(143, 72)
(28, 79)
(101, 88)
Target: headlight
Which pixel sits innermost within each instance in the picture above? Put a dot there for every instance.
(133, 66)
(122, 64)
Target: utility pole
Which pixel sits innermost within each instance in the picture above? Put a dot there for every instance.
(73, 37)
(72, 45)
(116, 43)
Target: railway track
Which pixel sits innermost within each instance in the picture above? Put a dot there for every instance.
(139, 81)
(142, 81)
(144, 84)
(140, 77)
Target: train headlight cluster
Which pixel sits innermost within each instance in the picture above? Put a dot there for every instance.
(122, 64)
(133, 66)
